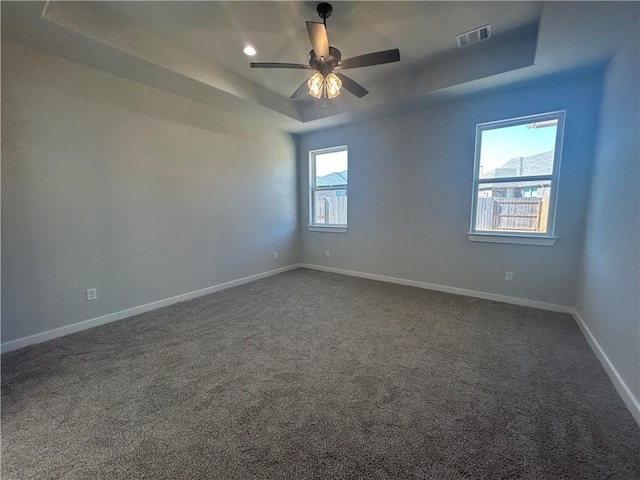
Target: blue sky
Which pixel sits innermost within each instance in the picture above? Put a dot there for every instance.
(499, 145)
(502, 144)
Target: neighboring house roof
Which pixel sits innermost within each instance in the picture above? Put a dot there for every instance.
(336, 178)
(539, 164)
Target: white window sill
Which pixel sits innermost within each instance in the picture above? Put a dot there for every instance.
(539, 240)
(327, 229)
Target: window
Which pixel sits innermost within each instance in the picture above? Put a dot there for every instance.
(328, 193)
(516, 180)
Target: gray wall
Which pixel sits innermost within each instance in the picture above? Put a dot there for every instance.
(110, 184)
(410, 182)
(608, 296)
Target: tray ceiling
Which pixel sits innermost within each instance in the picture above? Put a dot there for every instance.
(194, 49)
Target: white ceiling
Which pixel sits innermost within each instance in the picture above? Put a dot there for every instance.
(421, 30)
(194, 49)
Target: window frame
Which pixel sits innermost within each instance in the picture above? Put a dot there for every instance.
(313, 188)
(547, 238)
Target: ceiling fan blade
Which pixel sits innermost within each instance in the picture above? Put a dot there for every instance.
(278, 65)
(301, 91)
(352, 86)
(369, 59)
(319, 41)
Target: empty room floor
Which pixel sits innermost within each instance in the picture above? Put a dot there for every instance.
(310, 375)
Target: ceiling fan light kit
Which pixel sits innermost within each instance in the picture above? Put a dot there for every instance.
(332, 85)
(324, 87)
(316, 85)
(325, 84)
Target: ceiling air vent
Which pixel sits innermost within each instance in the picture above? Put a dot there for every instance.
(473, 36)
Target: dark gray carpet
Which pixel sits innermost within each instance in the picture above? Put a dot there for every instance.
(309, 375)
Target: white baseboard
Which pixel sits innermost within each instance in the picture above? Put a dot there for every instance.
(443, 288)
(112, 317)
(624, 391)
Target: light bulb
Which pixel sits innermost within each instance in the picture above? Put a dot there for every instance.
(334, 84)
(315, 84)
(249, 51)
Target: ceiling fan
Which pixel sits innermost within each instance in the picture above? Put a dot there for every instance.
(327, 60)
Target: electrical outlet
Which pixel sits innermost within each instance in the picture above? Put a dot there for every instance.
(508, 276)
(92, 293)
(327, 253)
(275, 254)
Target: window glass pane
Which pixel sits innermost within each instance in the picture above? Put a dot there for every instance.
(517, 151)
(331, 169)
(513, 206)
(330, 207)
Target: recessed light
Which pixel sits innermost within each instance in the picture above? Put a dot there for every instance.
(249, 50)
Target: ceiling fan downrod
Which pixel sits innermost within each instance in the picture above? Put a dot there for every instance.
(324, 11)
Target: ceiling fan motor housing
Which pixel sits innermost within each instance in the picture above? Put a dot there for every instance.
(330, 63)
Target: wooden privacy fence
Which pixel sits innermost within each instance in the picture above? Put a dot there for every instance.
(331, 210)
(522, 214)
